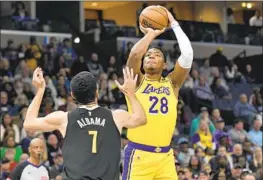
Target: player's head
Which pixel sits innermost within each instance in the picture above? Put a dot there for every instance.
(154, 61)
(84, 88)
(36, 148)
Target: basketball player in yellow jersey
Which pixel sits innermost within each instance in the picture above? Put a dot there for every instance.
(148, 155)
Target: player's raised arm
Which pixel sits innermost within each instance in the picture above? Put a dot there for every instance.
(184, 62)
(123, 118)
(140, 48)
(50, 122)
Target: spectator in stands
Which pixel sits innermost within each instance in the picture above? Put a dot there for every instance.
(196, 122)
(5, 169)
(126, 49)
(67, 52)
(180, 173)
(78, 66)
(216, 115)
(219, 90)
(231, 73)
(25, 142)
(255, 134)
(205, 70)
(238, 157)
(57, 168)
(236, 172)
(220, 131)
(112, 67)
(248, 150)
(8, 87)
(237, 133)
(256, 20)
(218, 59)
(203, 93)
(10, 148)
(230, 18)
(105, 95)
(215, 73)
(20, 10)
(186, 91)
(7, 122)
(94, 65)
(23, 72)
(23, 157)
(185, 152)
(203, 137)
(27, 90)
(118, 95)
(200, 153)
(225, 140)
(195, 166)
(5, 69)
(188, 173)
(244, 109)
(52, 147)
(209, 154)
(256, 164)
(204, 175)
(249, 74)
(255, 99)
(221, 160)
(111, 82)
(248, 176)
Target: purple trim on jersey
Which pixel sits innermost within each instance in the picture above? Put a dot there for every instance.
(34, 164)
(149, 148)
(128, 157)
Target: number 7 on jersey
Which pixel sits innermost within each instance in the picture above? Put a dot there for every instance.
(94, 141)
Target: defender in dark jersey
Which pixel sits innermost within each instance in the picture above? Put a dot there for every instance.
(91, 148)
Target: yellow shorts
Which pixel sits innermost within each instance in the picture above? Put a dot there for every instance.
(148, 165)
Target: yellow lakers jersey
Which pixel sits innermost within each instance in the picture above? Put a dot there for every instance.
(160, 105)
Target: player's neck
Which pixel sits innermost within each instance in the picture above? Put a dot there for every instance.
(155, 77)
(34, 161)
(90, 105)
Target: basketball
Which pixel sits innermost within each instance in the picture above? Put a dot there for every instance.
(154, 17)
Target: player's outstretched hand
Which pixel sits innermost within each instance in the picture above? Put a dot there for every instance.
(130, 82)
(38, 79)
(156, 32)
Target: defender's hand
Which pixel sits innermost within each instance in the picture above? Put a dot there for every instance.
(130, 82)
(155, 33)
(38, 79)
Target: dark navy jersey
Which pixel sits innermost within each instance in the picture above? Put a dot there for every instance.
(91, 148)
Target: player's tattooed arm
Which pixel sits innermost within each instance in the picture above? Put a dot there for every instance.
(50, 122)
(140, 48)
(184, 62)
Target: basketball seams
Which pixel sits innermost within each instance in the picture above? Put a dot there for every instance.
(152, 20)
(160, 13)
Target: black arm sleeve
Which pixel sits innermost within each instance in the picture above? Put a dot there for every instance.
(16, 174)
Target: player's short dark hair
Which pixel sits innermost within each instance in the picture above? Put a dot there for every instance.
(162, 51)
(83, 87)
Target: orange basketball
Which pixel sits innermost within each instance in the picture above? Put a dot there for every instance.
(154, 17)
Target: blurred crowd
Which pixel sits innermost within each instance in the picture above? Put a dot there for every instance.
(204, 147)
